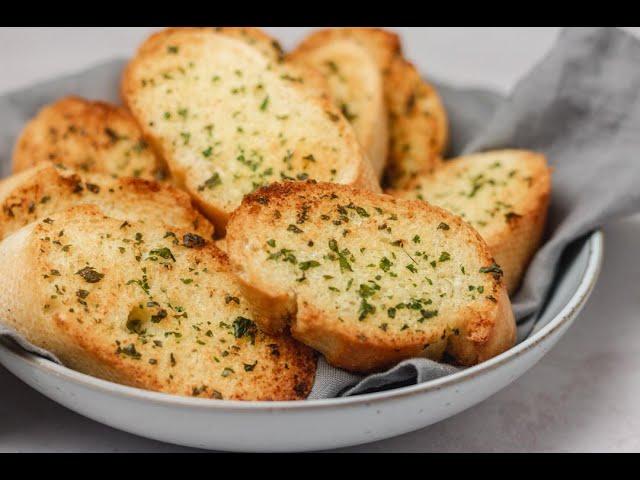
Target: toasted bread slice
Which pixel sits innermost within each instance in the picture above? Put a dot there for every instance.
(146, 306)
(357, 87)
(88, 137)
(504, 195)
(418, 124)
(46, 189)
(228, 120)
(369, 280)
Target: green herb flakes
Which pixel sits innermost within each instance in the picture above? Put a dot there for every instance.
(90, 275)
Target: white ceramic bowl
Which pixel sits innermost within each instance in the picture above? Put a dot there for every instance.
(318, 424)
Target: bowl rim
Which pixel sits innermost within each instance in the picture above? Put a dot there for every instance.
(594, 242)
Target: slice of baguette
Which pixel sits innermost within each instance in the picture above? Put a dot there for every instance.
(146, 306)
(504, 195)
(90, 137)
(46, 189)
(357, 88)
(369, 280)
(419, 125)
(228, 120)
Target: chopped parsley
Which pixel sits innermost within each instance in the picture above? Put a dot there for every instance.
(494, 269)
(444, 257)
(129, 351)
(191, 240)
(162, 253)
(211, 183)
(244, 327)
(250, 367)
(385, 264)
(345, 266)
(90, 275)
(304, 266)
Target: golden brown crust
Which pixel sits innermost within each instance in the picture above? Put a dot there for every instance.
(45, 189)
(98, 320)
(87, 136)
(263, 251)
(486, 337)
(319, 144)
(509, 207)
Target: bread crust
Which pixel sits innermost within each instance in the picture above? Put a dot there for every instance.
(488, 324)
(514, 233)
(46, 189)
(486, 337)
(88, 136)
(90, 330)
(343, 151)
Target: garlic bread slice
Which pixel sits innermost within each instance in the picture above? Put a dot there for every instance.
(143, 305)
(418, 122)
(504, 195)
(356, 84)
(45, 189)
(369, 280)
(87, 136)
(229, 120)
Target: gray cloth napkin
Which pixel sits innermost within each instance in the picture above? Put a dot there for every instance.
(580, 106)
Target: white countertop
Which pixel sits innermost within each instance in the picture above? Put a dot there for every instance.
(583, 396)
